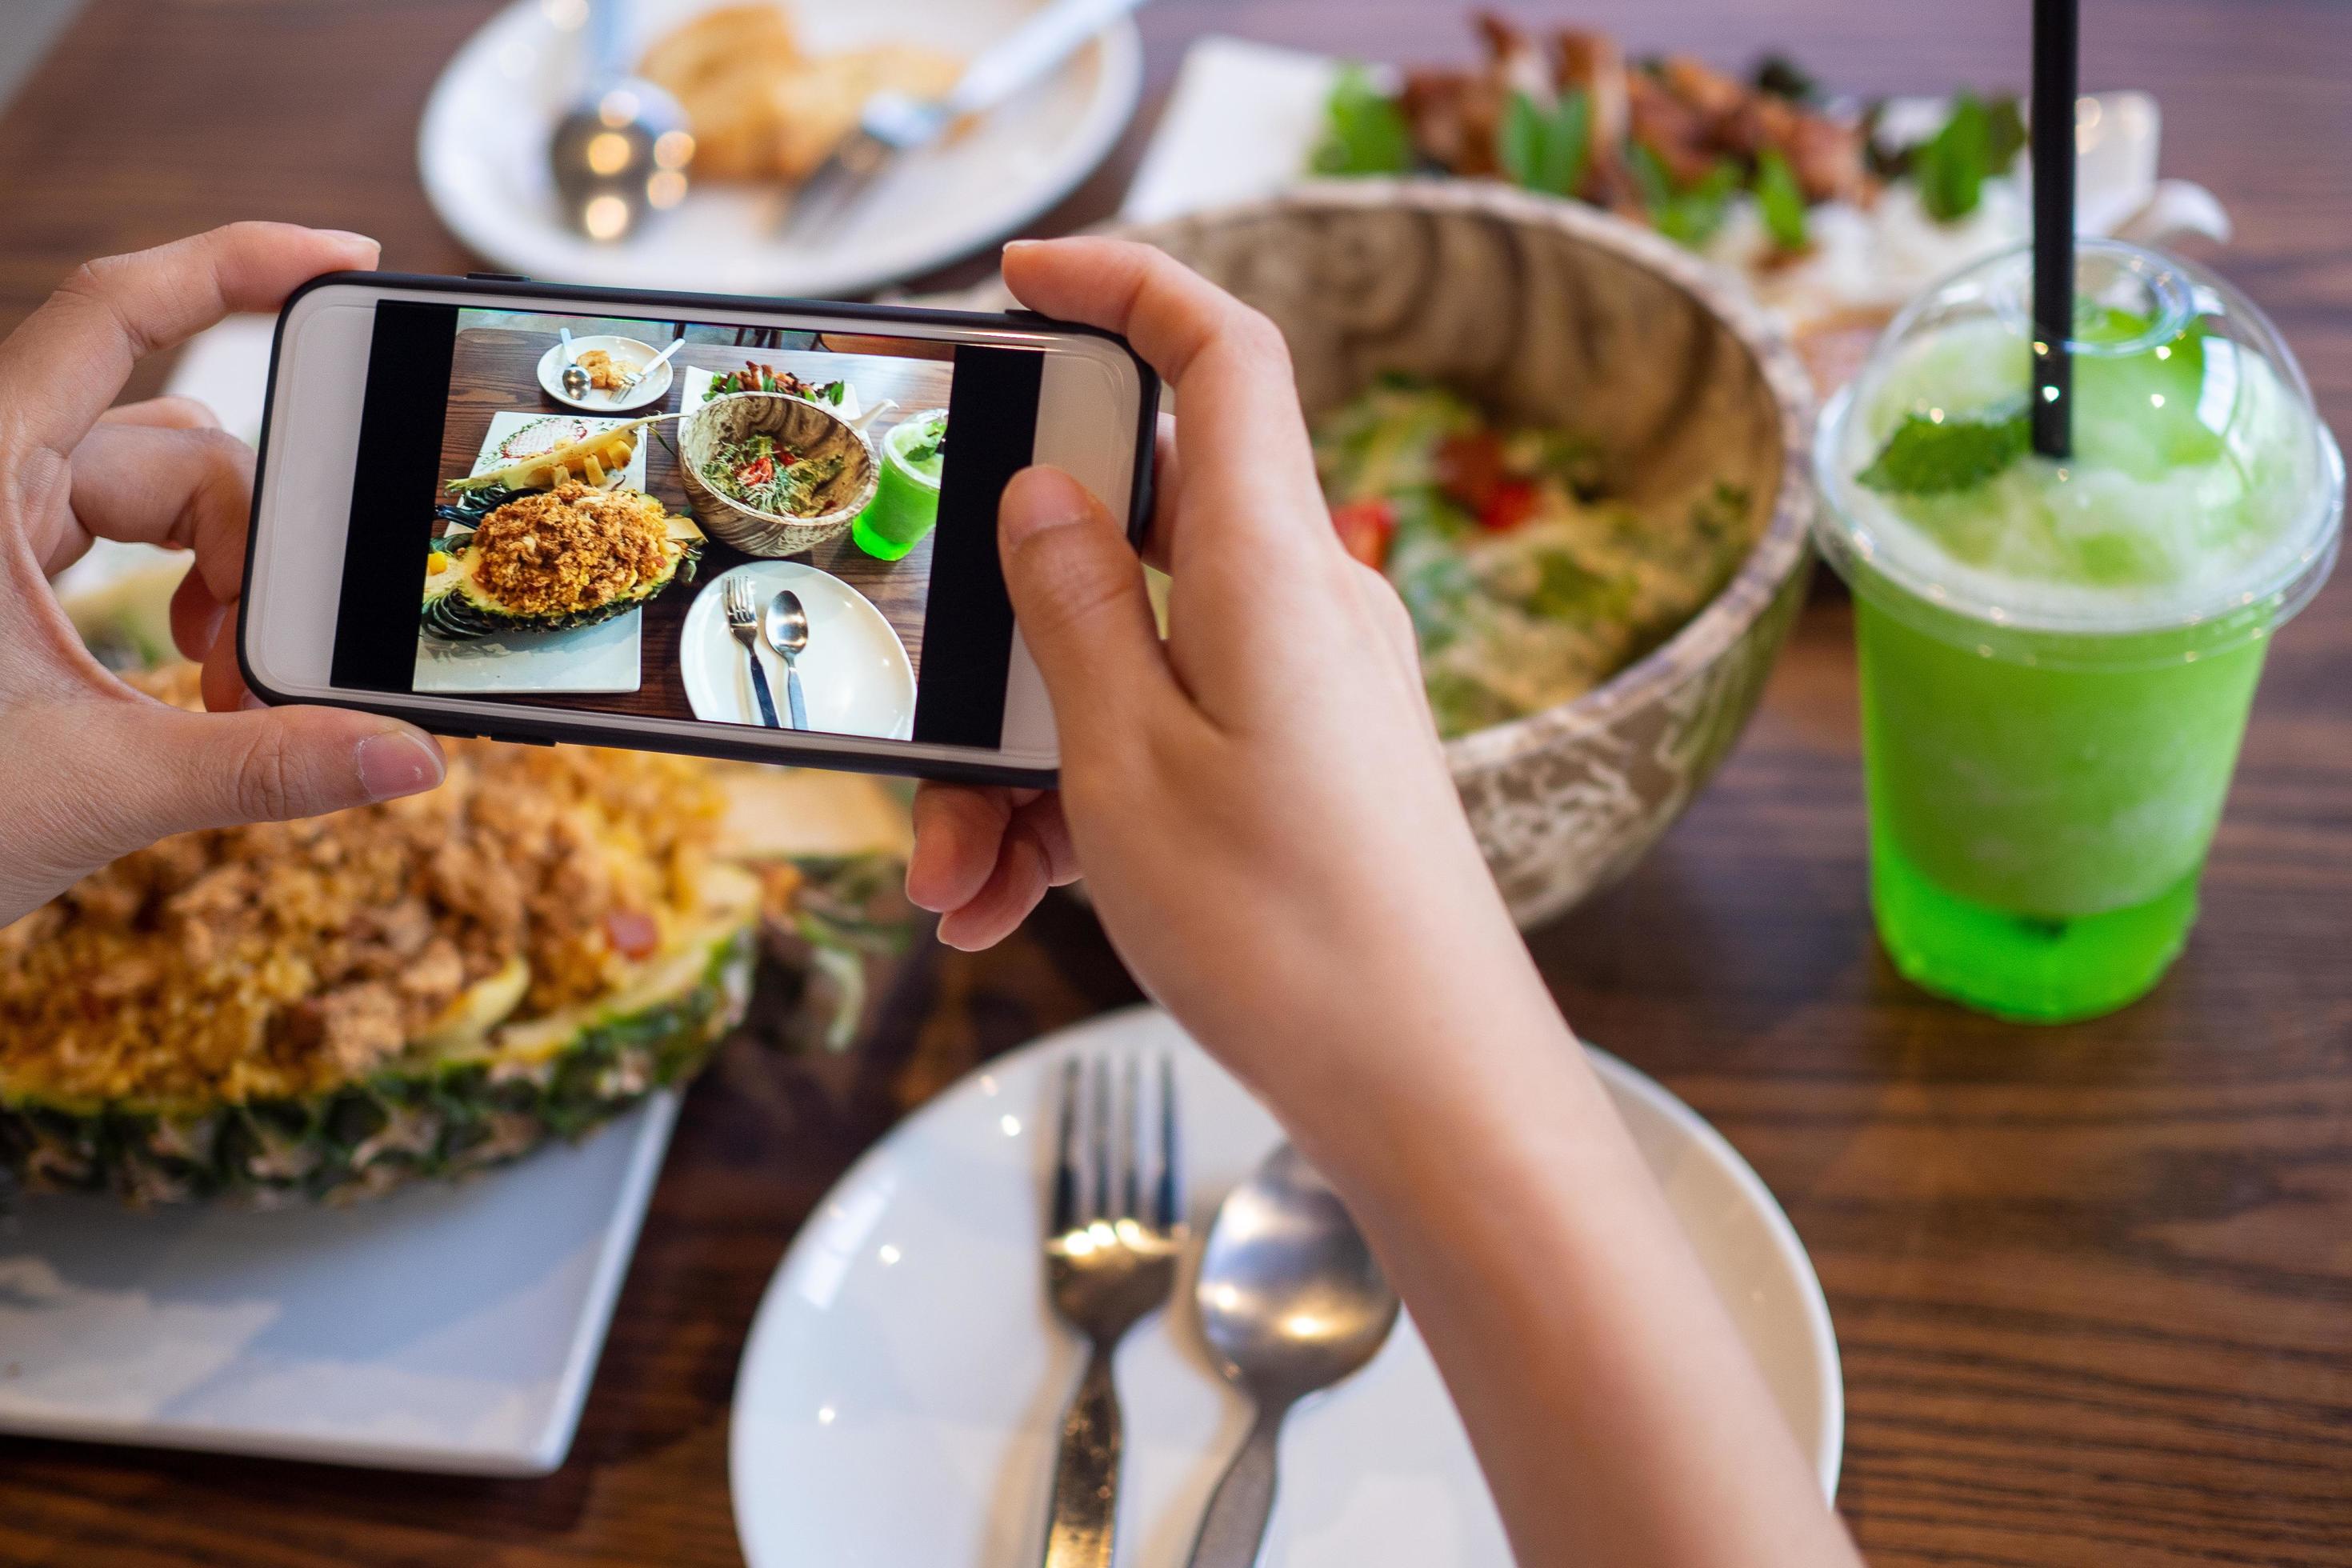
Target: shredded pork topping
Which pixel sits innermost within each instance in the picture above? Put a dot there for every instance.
(571, 548)
(284, 959)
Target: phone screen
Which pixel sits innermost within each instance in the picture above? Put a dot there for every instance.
(770, 527)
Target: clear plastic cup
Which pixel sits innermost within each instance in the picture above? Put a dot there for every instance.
(2057, 655)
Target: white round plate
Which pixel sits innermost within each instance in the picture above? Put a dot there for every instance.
(900, 1395)
(482, 149)
(855, 678)
(626, 351)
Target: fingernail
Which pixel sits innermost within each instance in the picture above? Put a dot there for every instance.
(250, 701)
(1040, 498)
(1013, 245)
(396, 762)
(354, 237)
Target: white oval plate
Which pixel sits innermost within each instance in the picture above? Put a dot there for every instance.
(855, 678)
(630, 350)
(483, 144)
(901, 1392)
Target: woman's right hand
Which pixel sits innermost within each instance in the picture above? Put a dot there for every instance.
(1273, 840)
(1260, 803)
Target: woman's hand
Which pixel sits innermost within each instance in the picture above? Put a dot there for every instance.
(1273, 840)
(93, 769)
(1261, 801)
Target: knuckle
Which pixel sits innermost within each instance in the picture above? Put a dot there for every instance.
(98, 285)
(1253, 332)
(263, 786)
(183, 413)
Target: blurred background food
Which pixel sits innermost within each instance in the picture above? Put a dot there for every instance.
(763, 108)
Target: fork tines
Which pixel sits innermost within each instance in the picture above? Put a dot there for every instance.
(1100, 1163)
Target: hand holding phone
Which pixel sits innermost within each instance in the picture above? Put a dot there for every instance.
(89, 770)
(655, 519)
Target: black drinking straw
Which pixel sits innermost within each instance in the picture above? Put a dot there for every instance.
(2057, 31)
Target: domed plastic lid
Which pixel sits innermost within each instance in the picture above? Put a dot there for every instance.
(2202, 495)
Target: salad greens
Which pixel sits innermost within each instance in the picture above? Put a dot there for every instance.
(1527, 583)
(762, 474)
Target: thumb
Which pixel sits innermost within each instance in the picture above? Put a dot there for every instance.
(155, 770)
(1078, 593)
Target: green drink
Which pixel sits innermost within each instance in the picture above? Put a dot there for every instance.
(2057, 657)
(906, 503)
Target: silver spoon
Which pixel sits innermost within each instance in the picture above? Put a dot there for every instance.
(573, 379)
(786, 625)
(622, 149)
(1291, 1301)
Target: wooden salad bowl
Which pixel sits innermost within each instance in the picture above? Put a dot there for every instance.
(1550, 312)
(811, 429)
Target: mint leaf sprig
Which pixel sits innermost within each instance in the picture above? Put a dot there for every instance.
(1935, 456)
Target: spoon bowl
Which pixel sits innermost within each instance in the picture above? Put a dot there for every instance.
(785, 625)
(1291, 1298)
(1291, 1301)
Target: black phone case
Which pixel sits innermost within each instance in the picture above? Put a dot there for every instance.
(532, 729)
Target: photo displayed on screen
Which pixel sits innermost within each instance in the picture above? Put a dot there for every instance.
(683, 521)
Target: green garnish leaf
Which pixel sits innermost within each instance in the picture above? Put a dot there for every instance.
(1978, 142)
(1931, 457)
(1547, 150)
(1363, 133)
(1688, 216)
(1782, 201)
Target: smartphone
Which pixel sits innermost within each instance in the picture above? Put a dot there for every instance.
(746, 528)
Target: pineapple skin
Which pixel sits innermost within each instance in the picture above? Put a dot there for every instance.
(420, 1122)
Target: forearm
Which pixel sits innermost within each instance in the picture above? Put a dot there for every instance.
(1616, 1414)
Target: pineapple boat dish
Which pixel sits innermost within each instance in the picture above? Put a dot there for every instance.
(331, 1007)
(551, 560)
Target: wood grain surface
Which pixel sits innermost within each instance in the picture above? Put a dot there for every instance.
(2093, 1285)
(494, 370)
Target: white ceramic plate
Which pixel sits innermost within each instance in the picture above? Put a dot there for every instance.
(625, 351)
(900, 1393)
(855, 678)
(601, 658)
(482, 152)
(449, 1327)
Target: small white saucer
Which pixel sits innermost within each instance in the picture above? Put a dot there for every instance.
(901, 1392)
(627, 352)
(855, 678)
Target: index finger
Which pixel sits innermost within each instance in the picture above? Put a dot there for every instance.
(1249, 472)
(63, 367)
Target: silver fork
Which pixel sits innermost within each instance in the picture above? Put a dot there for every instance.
(743, 620)
(1111, 1259)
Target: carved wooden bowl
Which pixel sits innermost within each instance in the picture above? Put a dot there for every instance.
(1551, 313)
(810, 429)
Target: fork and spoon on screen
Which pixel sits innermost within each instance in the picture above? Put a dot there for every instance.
(783, 625)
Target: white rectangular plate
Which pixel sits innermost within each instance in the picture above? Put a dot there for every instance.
(601, 658)
(450, 1328)
(807, 363)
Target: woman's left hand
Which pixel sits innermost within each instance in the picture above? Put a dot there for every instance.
(91, 768)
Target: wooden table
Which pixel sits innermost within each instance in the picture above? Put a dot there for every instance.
(495, 370)
(2094, 1285)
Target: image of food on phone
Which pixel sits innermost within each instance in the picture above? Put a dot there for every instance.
(682, 520)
